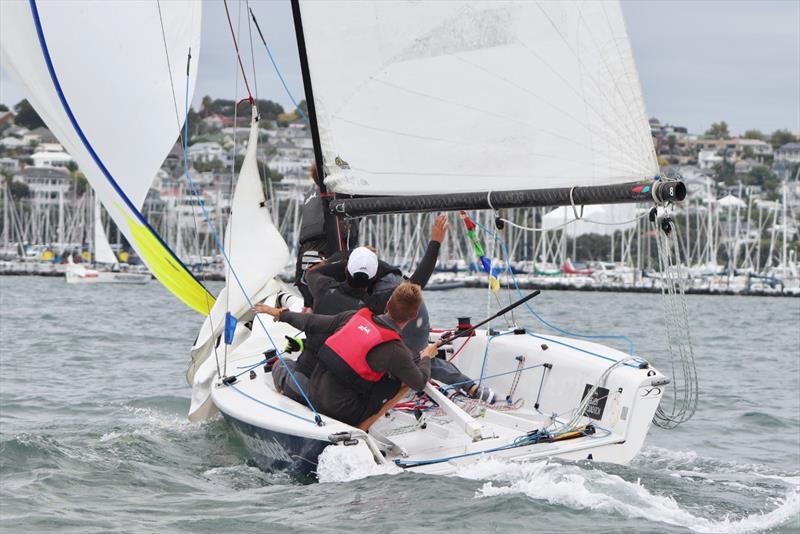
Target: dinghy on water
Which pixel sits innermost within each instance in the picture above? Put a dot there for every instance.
(439, 106)
(107, 268)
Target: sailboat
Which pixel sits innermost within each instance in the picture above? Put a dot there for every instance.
(413, 107)
(107, 268)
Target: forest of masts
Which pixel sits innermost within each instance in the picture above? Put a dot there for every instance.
(751, 237)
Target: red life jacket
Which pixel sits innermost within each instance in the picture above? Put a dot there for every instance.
(345, 353)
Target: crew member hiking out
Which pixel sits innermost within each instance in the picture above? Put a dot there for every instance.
(364, 363)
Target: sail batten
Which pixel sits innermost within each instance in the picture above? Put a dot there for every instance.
(436, 97)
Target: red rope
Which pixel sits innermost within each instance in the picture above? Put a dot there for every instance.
(238, 56)
(453, 357)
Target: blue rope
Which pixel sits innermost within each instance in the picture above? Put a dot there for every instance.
(486, 354)
(631, 345)
(521, 441)
(277, 70)
(221, 248)
(287, 412)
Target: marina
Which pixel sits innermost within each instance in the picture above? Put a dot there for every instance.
(451, 266)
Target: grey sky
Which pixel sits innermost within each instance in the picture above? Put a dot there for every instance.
(700, 61)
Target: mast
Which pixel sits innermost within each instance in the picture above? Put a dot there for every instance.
(5, 215)
(331, 222)
(784, 263)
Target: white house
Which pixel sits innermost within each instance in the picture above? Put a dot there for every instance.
(789, 152)
(9, 164)
(286, 165)
(45, 183)
(707, 159)
(51, 159)
(12, 142)
(208, 151)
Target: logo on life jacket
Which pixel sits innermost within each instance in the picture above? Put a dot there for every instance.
(364, 329)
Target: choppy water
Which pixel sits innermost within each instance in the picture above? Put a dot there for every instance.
(93, 435)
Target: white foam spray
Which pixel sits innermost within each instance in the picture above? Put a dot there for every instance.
(579, 488)
(338, 463)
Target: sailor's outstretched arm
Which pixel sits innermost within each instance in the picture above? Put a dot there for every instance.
(310, 323)
(428, 262)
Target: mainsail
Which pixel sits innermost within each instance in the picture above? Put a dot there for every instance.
(108, 79)
(441, 97)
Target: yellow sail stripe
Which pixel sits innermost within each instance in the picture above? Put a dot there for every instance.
(169, 272)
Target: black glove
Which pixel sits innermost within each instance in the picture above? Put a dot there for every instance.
(293, 344)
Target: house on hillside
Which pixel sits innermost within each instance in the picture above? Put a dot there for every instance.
(789, 152)
(51, 159)
(46, 184)
(787, 161)
(207, 152)
(40, 135)
(9, 165)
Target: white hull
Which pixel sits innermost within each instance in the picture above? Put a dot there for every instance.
(90, 276)
(282, 434)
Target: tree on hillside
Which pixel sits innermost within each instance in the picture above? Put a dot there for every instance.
(725, 171)
(19, 190)
(780, 138)
(27, 116)
(3, 107)
(205, 105)
(753, 134)
(304, 106)
(671, 141)
(269, 109)
(718, 130)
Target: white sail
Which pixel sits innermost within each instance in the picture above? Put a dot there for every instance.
(439, 97)
(255, 250)
(102, 248)
(109, 79)
(596, 219)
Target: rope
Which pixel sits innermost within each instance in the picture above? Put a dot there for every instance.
(631, 345)
(238, 56)
(183, 142)
(228, 262)
(277, 70)
(563, 225)
(676, 324)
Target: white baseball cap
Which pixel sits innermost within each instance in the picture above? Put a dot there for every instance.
(362, 260)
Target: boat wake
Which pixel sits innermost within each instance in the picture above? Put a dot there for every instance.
(344, 464)
(586, 487)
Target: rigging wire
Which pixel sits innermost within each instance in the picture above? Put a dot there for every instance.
(229, 264)
(629, 341)
(182, 139)
(277, 70)
(238, 55)
(252, 54)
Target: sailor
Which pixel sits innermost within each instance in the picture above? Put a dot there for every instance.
(348, 282)
(363, 363)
